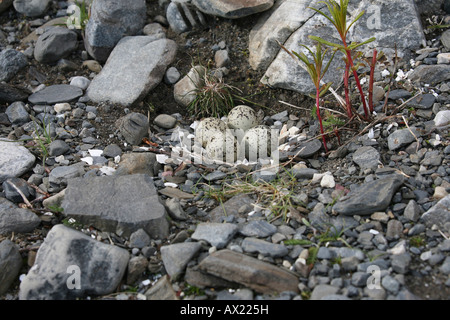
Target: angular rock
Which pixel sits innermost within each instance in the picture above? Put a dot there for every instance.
(9, 93)
(31, 8)
(184, 90)
(11, 62)
(135, 66)
(412, 211)
(17, 113)
(394, 229)
(430, 74)
(10, 264)
(183, 16)
(15, 219)
(442, 118)
(402, 137)
(423, 101)
(55, 44)
(56, 94)
(15, 160)
(175, 209)
(322, 291)
(121, 204)
(230, 207)
(57, 148)
(70, 265)
(370, 197)
(233, 9)
(265, 248)
(258, 228)
(176, 256)
(136, 267)
(161, 290)
(384, 20)
(139, 239)
(134, 127)
(366, 157)
(80, 82)
(110, 21)
(250, 272)
(216, 234)
(439, 214)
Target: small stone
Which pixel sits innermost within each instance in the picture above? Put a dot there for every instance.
(10, 264)
(412, 211)
(217, 234)
(258, 228)
(176, 257)
(394, 229)
(400, 263)
(165, 121)
(80, 82)
(327, 181)
(57, 148)
(390, 284)
(139, 239)
(253, 245)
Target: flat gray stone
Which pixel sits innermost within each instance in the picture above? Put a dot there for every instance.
(15, 160)
(165, 121)
(10, 264)
(424, 101)
(136, 163)
(118, 203)
(70, 265)
(370, 197)
(56, 94)
(250, 272)
(366, 157)
(258, 228)
(176, 256)
(430, 74)
(216, 234)
(254, 245)
(402, 137)
(60, 175)
(323, 290)
(135, 66)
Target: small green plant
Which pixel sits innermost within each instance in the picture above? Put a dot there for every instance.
(316, 71)
(213, 97)
(338, 17)
(417, 241)
(42, 139)
(193, 290)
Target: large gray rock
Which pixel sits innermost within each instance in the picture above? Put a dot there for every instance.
(15, 160)
(9, 93)
(369, 197)
(232, 9)
(402, 137)
(293, 22)
(119, 203)
(250, 272)
(15, 219)
(11, 62)
(70, 265)
(56, 94)
(135, 66)
(31, 8)
(55, 44)
(10, 264)
(110, 21)
(430, 74)
(5, 4)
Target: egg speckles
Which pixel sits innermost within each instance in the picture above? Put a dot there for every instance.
(257, 142)
(242, 117)
(207, 129)
(222, 147)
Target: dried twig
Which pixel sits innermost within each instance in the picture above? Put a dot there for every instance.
(21, 194)
(406, 123)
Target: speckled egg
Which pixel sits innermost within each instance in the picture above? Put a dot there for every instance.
(242, 117)
(257, 142)
(209, 128)
(222, 147)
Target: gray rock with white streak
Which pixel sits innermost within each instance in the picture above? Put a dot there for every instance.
(70, 265)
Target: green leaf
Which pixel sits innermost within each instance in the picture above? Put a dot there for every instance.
(355, 45)
(328, 43)
(356, 19)
(325, 88)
